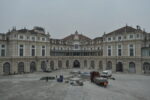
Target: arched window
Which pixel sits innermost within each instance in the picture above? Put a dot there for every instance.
(21, 67)
(6, 68)
(52, 65)
(119, 67)
(59, 64)
(132, 68)
(76, 64)
(109, 65)
(32, 67)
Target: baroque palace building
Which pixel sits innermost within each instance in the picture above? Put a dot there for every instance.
(124, 50)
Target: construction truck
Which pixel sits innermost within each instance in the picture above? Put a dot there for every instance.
(97, 79)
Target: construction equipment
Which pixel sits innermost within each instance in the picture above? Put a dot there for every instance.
(97, 79)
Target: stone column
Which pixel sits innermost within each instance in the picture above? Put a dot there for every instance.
(38, 65)
(27, 66)
(14, 66)
(138, 66)
(104, 64)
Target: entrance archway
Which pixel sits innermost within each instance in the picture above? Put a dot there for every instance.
(109, 65)
(146, 68)
(52, 65)
(43, 66)
(119, 67)
(6, 68)
(76, 64)
(132, 67)
(21, 67)
(100, 65)
(32, 67)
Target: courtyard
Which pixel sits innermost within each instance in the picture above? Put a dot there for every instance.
(30, 87)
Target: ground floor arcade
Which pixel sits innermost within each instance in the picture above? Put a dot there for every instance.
(23, 65)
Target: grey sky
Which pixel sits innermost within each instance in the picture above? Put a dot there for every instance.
(63, 17)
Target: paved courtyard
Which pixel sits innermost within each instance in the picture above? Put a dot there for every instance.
(30, 87)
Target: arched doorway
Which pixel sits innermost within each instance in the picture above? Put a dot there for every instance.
(59, 64)
(92, 64)
(6, 68)
(76, 64)
(32, 67)
(132, 68)
(100, 65)
(109, 65)
(146, 68)
(21, 67)
(52, 65)
(119, 67)
(43, 65)
(67, 64)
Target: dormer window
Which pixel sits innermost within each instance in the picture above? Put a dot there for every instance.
(76, 46)
(131, 36)
(109, 39)
(21, 37)
(119, 38)
(43, 39)
(33, 38)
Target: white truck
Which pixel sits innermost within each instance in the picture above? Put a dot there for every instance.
(106, 73)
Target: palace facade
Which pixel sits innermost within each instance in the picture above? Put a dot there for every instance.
(124, 50)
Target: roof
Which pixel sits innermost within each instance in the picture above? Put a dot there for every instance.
(79, 35)
(126, 29)
(98, 38)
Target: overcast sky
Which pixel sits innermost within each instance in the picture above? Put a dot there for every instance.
(62, 17)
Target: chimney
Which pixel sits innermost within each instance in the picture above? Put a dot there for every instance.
(138, 27)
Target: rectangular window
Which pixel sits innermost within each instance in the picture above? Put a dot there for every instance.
(131, 36)
(131, 50)
(109, 39)
(43, 50)
(119, 50)
(21, 37)
(76, 46)
(33, 38)
(2, 50)
(119, 38)
(33, 50)
(21, 47)
(43, 39)
(109, 50)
